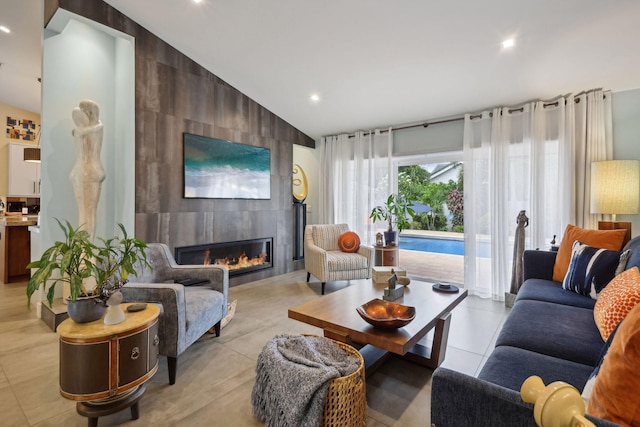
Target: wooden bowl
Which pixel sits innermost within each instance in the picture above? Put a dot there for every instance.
(385, 314)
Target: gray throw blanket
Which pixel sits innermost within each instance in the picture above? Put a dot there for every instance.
(292, 379)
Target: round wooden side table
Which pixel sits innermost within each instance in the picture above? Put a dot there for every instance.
(104, 367)
(387, 255)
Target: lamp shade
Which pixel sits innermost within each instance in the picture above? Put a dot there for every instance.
(32, 154)
(615, 187)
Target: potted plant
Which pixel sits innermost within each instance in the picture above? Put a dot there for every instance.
(396, 210)
(77, 259)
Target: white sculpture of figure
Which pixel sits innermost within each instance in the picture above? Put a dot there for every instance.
(87, 173)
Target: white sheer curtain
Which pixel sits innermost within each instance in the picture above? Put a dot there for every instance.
(594, 143)
(355, 177)
(527, 158)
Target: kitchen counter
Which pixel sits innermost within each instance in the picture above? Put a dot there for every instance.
(18, 220)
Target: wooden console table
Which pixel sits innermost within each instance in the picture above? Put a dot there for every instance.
(387, 255)
(104, 367)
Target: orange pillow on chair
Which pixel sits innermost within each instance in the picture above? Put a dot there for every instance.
(349, 242)
(602, 239)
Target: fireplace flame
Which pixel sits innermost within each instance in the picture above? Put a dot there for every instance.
(238, 263)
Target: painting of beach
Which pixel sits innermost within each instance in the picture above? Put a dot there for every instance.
(217, 169)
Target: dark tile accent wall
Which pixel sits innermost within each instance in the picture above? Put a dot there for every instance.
(175, 95)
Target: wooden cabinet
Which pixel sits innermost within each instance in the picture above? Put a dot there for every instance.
(387, 255)
(15, 253)
(24, 177)
(99, 361)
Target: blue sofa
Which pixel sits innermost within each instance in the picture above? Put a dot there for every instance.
(550, 332)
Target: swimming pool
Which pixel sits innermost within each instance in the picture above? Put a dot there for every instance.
(440, 246)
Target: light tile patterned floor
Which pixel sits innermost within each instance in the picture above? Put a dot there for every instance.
(216, 375)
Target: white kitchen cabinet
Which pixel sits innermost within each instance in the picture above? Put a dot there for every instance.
(24, 177)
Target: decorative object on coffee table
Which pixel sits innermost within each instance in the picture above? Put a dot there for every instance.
(385, 314)
(445, 287)
(381, 274)
(404, 281)
(391, 293)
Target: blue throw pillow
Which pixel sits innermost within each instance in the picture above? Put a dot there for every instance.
(590, 269)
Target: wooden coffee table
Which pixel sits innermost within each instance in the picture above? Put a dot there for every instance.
(336, 314)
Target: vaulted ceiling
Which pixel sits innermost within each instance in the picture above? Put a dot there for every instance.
(375, 63)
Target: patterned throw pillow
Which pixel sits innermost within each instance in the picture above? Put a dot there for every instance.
(615, 391)
(349, 242)
(617, 300)
(590, 269)
(606, 239)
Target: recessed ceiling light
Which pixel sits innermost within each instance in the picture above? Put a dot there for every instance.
(197, 1)
(508, 43)
(315, 97)
(4, 29)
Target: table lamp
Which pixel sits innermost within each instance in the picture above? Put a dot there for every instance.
(615, 190)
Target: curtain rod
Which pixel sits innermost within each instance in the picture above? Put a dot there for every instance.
(424, 125)
(473, 116)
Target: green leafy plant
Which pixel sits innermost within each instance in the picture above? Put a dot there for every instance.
(396, 210)
(77, 258)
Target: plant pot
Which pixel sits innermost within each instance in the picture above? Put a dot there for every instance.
(390, 238)
(85, 309)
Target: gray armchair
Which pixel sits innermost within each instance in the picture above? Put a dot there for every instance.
(186, 312)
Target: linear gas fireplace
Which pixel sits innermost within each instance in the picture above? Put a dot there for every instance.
(240, 257)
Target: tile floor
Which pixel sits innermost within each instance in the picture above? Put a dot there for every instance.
(216, 375)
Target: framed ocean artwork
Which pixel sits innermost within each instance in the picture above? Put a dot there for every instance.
(218, 169)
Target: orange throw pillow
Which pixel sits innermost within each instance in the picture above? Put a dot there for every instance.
(614, 396)
(349, 242)
(601, 239)
(616, 300)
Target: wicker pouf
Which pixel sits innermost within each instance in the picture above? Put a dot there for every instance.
(346, 403)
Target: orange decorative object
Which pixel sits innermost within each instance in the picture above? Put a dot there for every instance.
(385, 314)
(349, 242)
(616, 300)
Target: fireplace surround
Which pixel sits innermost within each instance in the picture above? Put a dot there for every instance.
(240, 256)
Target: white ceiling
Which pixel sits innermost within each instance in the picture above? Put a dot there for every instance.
(377, 63)
(21, 54)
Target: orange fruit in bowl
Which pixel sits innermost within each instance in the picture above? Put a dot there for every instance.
(398, 311)
(377, 312)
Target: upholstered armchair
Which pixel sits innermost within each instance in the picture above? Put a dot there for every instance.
(324, 259)
(186, 312)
